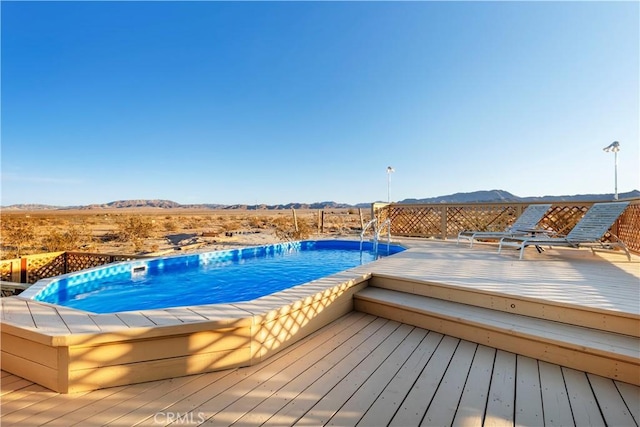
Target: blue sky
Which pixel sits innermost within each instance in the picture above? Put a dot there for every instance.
(277, 102)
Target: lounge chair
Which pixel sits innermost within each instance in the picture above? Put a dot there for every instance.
(524, 224)
(587, 232)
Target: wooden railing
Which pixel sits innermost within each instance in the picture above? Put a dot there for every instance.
(446, 220)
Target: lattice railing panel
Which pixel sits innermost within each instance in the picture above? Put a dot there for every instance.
(31, 268)
(77, 261)
(628, 227)
(81, 261)
(480, 218)
(45, 265)
(6, 270)
(417, 221)
(562, 219)
(439, 220)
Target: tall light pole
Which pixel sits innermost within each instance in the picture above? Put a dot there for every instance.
(614, 147)
(390, 170)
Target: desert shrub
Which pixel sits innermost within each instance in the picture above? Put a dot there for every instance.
(192, 223)
(134, 229)
(231, 225)
(170, 225)
(18, 235)
(67, 240)
(257, 222)
(285, 228)
(58, 221)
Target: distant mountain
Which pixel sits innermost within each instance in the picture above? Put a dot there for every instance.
(123, 204)
(476, 196)
(31, 207)
(594, 197)
(472, 197)
(168, 204)
(316, 205)
(504, 196)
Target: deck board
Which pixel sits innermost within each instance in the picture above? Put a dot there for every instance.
(350, 413)
(557, 409)
(473, 402)
(41, 405)
(16, 310)
(93, 405)
(444, 405)
(58, 408)
(47, 316)
(584, 405)
(412, 410)
(108, 322)
(133, 319)
(152, 401)
(276, 405)
(269, 397)
(326, 408)
(611, 403)
(388, 402)
(631, 396)
(528, 397)
(500, 405)
(333, 373)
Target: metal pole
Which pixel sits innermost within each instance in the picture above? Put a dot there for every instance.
(615, 196)
(615, 147)
(388, 187)
(389, 170)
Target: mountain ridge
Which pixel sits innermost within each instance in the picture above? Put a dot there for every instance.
(486, 196)
(482, 196)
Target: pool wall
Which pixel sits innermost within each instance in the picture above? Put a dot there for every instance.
(68, 350)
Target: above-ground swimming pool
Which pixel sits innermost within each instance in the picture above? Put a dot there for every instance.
(208, 278)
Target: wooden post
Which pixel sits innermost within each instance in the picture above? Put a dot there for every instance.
(295, 220)
(322, 223)
(16, 270)
(361, 219)
(66, 263)
(443, 223)
(23, 270)
(319, 219)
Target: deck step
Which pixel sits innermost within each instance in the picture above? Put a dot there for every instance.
(599, 352)
(598, 318)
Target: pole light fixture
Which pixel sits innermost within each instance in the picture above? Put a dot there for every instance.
(390, 170)
(614, 147)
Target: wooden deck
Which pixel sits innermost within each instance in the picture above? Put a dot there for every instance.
(359, 370)
(364, 369)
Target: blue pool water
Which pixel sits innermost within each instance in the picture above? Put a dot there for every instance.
(208, 278)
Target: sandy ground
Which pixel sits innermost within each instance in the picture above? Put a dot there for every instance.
(173, 231)
(196, 242)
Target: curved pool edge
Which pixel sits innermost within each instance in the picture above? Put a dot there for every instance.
(68, 350)
(44, 289)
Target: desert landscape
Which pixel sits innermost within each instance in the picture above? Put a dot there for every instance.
(147, 231)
